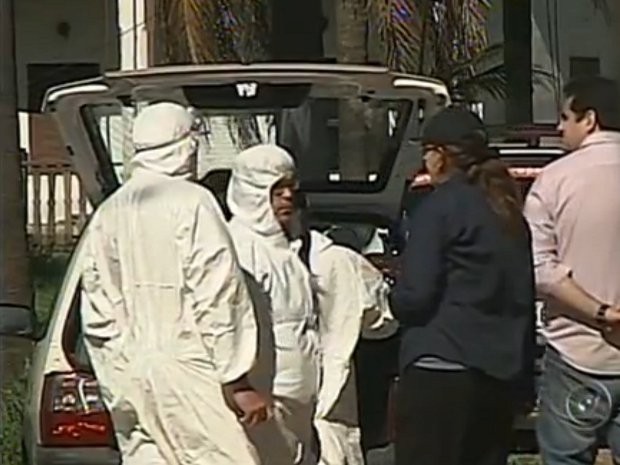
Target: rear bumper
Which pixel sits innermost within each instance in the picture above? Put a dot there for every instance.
(75, 456)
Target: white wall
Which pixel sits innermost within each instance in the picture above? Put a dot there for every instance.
(93, 36)
(581, 32)
(133, 40)
(133, 49)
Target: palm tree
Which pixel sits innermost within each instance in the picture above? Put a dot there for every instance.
(420, 36)
(217, 31)
(444, 39)
(431, 37)
(351, 24)
(441, 38)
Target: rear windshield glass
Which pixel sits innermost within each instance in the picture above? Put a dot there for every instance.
(340, 137)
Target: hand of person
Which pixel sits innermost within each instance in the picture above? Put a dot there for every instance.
(612, 317)
(611, 329)
(250, 406)
(253, 407)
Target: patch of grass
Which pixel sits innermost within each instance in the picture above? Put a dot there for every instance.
(528, 459)
(48, 273)
(11, 411)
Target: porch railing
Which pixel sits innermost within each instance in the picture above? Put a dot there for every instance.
(57, 208)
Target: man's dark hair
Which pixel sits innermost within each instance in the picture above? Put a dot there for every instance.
(598, 94)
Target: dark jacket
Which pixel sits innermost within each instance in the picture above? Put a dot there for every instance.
(466, 292)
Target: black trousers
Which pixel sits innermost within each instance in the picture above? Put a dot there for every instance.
(453, 418)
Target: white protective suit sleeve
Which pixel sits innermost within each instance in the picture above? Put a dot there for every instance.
(222, 306)
(378, 321)
(101, 281)
(352, 299)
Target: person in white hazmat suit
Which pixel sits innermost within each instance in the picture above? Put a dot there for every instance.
(353, 301)
(261, 198)
(168, 321)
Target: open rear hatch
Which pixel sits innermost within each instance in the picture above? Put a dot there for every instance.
(353, 130)
(319, 112)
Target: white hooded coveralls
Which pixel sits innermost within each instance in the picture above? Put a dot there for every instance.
(353, 300)
(168, 318)
(282, 293)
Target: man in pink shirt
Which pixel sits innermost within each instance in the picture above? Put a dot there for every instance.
(573, 210)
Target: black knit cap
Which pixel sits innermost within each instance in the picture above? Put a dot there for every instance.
(453, 126)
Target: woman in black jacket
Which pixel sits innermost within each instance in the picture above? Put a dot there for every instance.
(466, 302)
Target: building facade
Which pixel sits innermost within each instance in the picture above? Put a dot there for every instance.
(569, 38)
(65, 40)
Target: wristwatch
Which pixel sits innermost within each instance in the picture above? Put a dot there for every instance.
(600, 315)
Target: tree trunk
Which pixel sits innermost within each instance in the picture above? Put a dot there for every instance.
(15, 285)
(517, 20)
(376, 118)
(297, 30)
(352, 19)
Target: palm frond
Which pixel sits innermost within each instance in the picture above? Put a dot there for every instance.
(400, 28)
(493, 82)
(428, 36)
(189, 19)
(217, 30)
(459, 33)
(489, 56)
(544, 78)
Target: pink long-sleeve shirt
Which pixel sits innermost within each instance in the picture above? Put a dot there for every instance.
(573, 209)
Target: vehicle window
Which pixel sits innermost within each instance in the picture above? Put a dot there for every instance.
(339, 137)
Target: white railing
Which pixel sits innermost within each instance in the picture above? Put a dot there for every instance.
(57, 208)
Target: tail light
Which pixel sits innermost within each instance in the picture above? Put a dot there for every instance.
(73, 413)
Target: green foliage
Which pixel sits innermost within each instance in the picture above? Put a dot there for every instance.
(447, 40)
(48, 272)
(11, 411)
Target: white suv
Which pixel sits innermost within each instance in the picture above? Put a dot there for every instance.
(305, 108)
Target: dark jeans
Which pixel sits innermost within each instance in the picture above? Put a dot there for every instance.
(578, 411)
(453, 418)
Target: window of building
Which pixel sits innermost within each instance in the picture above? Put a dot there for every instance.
(584, 66)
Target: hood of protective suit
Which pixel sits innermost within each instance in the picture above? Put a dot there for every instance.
(255, 172)
(164, 141)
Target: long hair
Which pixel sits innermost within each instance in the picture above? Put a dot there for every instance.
(483, 168)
